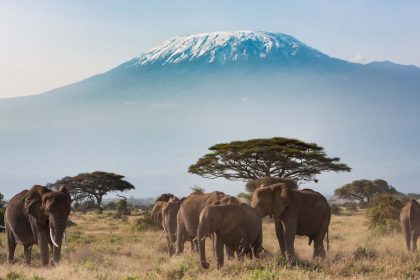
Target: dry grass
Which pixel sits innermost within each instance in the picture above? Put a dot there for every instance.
(101, 247)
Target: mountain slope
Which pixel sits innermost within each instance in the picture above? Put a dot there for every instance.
(151, 117)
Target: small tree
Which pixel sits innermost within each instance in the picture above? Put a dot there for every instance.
(93, 186)
(258, 158)
(363, 190)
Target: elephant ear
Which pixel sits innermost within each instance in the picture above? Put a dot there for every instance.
(281, 199)
(229, 219)
(33, 203)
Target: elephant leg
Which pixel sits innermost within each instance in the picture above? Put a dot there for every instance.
(257, 246)
(249, 254)
(280, 238)
(407, 235)
(170, 247)
(319, 250)
(289, 241)
(219, 251)
(11, 245)
(230, 253)
(414, 237)
(27, 249)
(180, 235)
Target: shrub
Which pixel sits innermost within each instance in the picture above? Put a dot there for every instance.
(384, 212)
(362, 253)
(146, 222)
(335, 209)
(245, 195)
(350, 206)
(122, 207)
(198, 189)
(2, 210)
(164, 197)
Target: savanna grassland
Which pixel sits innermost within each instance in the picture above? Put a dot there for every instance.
(103, 247)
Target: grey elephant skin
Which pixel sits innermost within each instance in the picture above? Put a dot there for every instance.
(238, 227)
(189, 213)
(410, 224)
(37, 216)
(295, 212)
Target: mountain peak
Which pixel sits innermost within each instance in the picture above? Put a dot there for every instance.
(227, 47)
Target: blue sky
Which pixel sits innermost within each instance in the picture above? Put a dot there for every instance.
(46, 44)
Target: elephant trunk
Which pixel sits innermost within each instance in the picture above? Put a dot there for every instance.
(56, 234)
(202, 246)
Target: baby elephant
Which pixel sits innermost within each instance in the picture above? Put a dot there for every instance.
(238, 227)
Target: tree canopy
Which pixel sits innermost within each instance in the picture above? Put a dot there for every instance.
(252, 185)
(93, 186)
(258, 158)
(363, 190)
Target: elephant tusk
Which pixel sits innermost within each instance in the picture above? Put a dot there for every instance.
(52, 239)
(65, 240)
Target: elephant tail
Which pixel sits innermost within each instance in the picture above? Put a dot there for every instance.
(328, 240)
(411, 215)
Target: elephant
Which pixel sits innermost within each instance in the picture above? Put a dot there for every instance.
(410, 223)
(189, 213)
(157, 210)
(37, 216)
(295, 212)
(169, 224)
(236, 226)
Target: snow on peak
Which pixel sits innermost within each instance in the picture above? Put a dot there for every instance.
(225, 47)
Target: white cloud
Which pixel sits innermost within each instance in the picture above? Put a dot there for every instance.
(163, 105)
(358, 58)
(130, 102)
(245, 100)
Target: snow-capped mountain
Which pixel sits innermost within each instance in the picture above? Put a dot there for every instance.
(228, 47)
(152, 116)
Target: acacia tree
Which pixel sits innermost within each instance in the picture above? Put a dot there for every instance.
(94, 186)
(363, 190)
(258, 158)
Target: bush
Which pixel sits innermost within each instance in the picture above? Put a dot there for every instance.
(122, 207)
(335, 209)
(384, 212)
(164, 197)
(146, 222)
(350, 206)
(362, 253)
(245, 195)
(2, 210)
(198, 189)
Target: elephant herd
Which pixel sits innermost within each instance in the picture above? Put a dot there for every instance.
(237, 227)
(39, 216)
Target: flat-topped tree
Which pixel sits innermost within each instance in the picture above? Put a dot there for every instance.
(363, 190)
(94, 186)
(258, 158)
